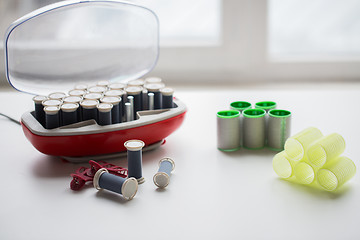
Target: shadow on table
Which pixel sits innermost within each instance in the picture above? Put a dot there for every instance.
(153, 157)
(53, 167)
(245, 153)
(317, 191)
(87, 185)
(160, 190)
(114, 197)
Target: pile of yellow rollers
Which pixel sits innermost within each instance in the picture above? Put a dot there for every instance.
(313, 159)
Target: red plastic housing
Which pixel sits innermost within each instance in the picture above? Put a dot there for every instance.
(102, 143)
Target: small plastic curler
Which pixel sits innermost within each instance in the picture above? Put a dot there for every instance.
(167, 97)
(151, 101)
(240, 106)
(304, 172)
(162, 177)
(278, 128)
(115, 92)
(81, 86)
(155, 88)
(69, 113)
(52, 117)
(325, 149)
(136, 93)
(104, 113)
(72, 99)
(118, 93)
(76, 92)
(283, 165)
(137, 82)
(97, 89)
(51, 102)
(134, 157)
(116, 116)
(153, 80)
(116, 86)
(335, 173)
(103, 83)
(145, 100)
(228, 130)
(130, 112)
(127, 187)
(57, 95)
(89, 110)
(265, 105)
(75, 99)
(296, 146)
(93, 96)
(254, 128)
(39, 109)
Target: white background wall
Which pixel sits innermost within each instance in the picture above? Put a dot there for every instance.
(218, 41)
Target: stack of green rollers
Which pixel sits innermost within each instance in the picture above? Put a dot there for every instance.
(252, 128)
(310, 158)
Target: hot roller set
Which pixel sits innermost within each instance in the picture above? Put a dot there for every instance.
(46, 56)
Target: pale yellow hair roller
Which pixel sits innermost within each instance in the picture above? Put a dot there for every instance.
(325, 149)
(335, 173)
(297, 145)
(282, 165)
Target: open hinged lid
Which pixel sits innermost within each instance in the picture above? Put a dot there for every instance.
(53, 48)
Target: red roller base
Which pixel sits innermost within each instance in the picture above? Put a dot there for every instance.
(102, 143)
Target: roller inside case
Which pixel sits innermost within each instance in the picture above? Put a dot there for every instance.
(31, 115)
(91, 126)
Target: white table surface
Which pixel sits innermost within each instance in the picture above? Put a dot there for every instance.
(212, 194)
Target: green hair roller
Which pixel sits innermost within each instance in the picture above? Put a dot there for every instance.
(266, 105)
(240, 105)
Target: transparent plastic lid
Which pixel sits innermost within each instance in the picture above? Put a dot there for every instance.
(55, 47)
